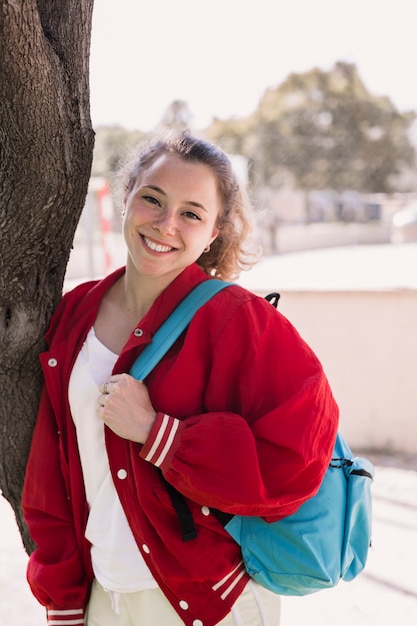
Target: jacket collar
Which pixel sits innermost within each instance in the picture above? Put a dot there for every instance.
(79, 308)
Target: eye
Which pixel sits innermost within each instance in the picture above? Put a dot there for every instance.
(192, 215)
(151, 199)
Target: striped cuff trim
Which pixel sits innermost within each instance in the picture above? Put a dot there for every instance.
(67, 617)
(163, 441)
(229, 582)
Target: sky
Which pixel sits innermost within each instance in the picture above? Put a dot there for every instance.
(220, 56)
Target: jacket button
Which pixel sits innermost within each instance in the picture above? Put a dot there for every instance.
(183, 605)
(205, 510)
(138, 332)
(52, 362)
(122, 474)
(197, 622)
(145, 548)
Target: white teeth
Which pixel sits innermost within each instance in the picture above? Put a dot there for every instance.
(158, 248)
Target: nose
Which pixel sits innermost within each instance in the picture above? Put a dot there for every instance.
(166, 223)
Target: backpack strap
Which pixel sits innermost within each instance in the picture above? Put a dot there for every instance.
(273, 298)
(162, 340)
(172, 328)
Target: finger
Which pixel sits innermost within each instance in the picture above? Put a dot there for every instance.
(106, 387)
(102, 401)
(112, 380)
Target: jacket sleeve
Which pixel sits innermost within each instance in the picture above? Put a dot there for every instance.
(55, 570)
(268, 451)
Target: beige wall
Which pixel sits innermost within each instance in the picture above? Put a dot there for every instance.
(367, 342)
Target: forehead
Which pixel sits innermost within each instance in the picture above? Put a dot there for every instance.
(175, 170)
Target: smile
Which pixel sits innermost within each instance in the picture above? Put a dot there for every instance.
(156, 247)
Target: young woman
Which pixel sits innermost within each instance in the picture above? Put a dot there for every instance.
(238, 416)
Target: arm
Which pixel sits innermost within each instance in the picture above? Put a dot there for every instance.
(55, 572)
(59, 570)
(265, 442)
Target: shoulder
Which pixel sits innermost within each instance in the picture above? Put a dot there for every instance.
(237, 308)
(236, 315)
(67, 306)
(236, 300)
(81, 300)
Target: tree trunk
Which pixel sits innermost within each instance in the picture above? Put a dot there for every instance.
(46, 144)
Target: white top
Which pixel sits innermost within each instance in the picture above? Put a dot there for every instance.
(117, 562)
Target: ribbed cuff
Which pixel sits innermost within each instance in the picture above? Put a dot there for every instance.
(160, 440)
(66, 617)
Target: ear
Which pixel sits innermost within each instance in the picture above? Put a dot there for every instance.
(214, 234)
(124, 201)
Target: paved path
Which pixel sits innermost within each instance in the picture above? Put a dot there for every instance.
(385, 594)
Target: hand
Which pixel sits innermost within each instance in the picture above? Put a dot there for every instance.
(125, 407)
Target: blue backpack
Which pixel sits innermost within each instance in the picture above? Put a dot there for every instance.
(326, 540)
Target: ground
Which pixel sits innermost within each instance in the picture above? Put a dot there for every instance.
(383, 595)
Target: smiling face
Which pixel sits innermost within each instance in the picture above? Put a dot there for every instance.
(170, 216)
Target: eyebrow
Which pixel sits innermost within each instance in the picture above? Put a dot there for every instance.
(188, 202)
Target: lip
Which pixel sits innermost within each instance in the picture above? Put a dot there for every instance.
(157, 247)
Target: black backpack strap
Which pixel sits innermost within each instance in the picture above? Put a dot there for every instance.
(273, 298)
(221, 516)
(185, 518)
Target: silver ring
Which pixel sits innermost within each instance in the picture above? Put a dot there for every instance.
(105, 390)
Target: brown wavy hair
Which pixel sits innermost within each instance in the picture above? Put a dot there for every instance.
(232, 251)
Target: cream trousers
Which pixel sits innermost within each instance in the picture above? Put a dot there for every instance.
(256, 606)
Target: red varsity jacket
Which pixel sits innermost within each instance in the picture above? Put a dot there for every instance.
(246, 424)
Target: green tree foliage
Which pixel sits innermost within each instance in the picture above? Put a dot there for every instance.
(324, 130)
(316, 130)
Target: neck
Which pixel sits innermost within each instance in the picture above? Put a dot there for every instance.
(139, 292)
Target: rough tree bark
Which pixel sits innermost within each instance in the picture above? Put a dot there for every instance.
(46, 147)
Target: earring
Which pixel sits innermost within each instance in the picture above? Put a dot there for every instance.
(207, 248)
